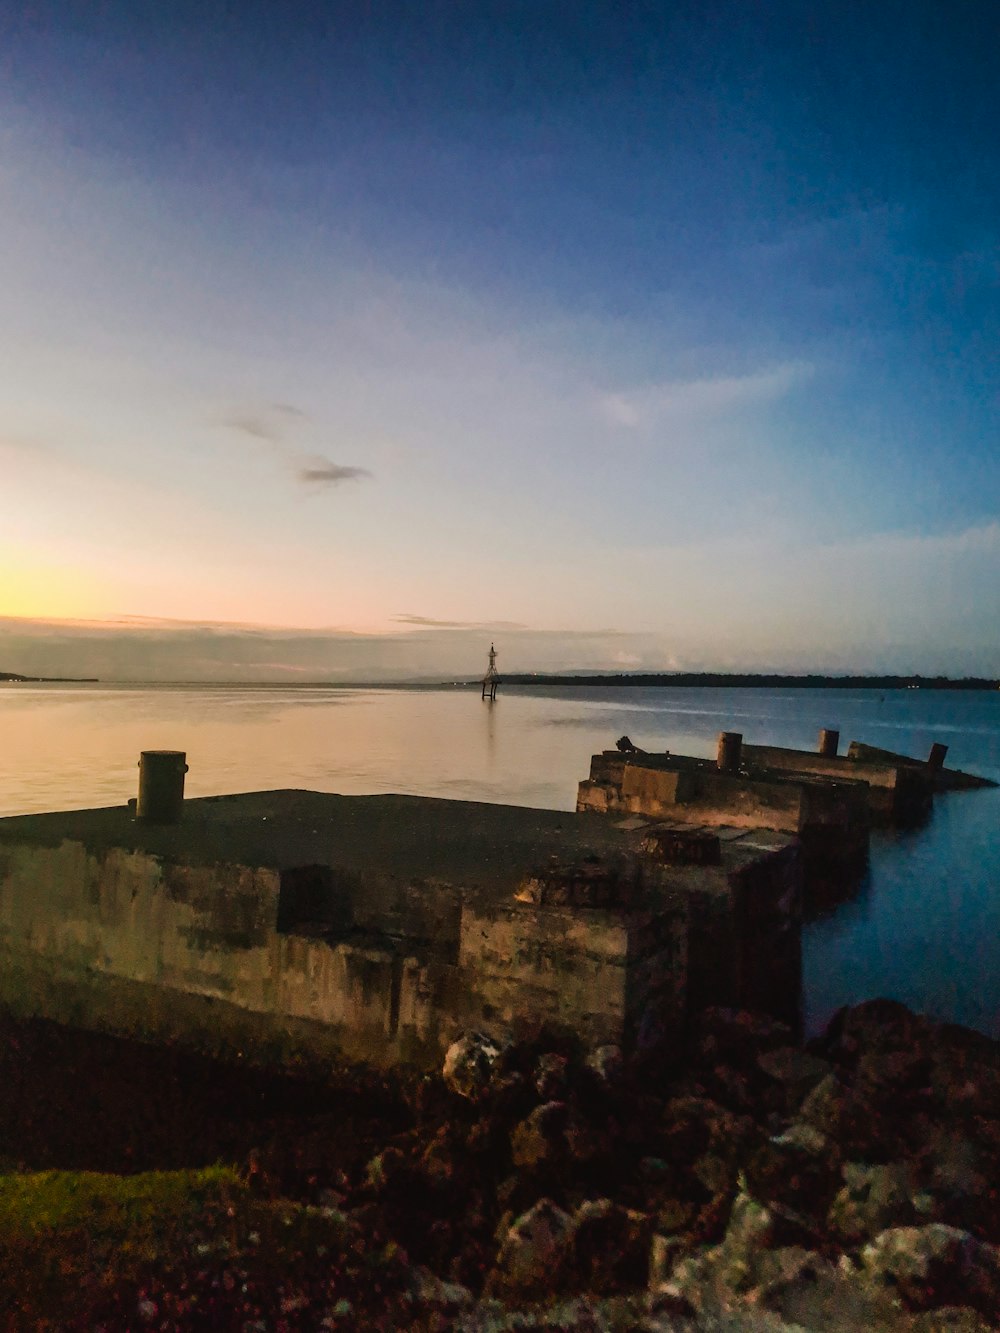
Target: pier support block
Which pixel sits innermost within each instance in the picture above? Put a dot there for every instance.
(829, 742)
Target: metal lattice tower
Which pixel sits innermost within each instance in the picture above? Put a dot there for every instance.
(491, 680)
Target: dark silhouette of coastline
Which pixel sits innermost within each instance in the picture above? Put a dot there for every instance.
(14, 678)
(751, 680)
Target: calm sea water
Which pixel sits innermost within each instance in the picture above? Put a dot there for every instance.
(924, 926)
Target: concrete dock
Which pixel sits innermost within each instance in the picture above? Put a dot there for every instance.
(830, 817)
(900, 794)
(942, 779)
(285, 923)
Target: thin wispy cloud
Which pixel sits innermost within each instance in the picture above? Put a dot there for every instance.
(274, 425)
(684, 400)
(319, 472)
(428, 622)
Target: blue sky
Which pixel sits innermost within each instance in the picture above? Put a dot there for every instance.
(639, 336)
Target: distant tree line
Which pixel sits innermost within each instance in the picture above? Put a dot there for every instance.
(750, 680)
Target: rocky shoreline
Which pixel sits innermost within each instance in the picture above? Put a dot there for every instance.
(743, 1183)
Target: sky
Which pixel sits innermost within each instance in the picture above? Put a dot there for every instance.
(338, 339)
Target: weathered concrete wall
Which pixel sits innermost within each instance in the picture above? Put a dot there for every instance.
(369, 961)
(600, 974)
(522, 965)
(700, 795)
(103, 936)
(896, 793)
(832, 818)
(657, 982)
(81, 918)
(650, 788)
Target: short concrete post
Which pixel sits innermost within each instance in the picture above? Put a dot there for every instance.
(161, 786)
(935, 760)
(829, 742)
(730, 751)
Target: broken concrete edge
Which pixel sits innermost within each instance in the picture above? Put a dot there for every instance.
(944, 779)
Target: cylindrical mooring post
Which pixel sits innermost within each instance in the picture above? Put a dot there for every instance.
(730, 751)
(935, 760)
(161, 786)
(829, 741)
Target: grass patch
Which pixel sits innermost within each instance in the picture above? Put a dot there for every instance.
(131, 1209)
(69, 1241)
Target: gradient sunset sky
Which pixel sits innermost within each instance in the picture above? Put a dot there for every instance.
(336, 339)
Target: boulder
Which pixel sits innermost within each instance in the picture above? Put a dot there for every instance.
(664, 1253)
(799, 1168)
(444, 1160)
(875, 1026)
(962, 1170)
(795, 1071)
(873, 1198)
(468, 1063)
(610, 1247)
(607, 1062)
(950, 1319)
(551, 1076)
(936, 1265)
(693, 1126)
(541, 1138)
(965, 1072)
(846, 1113)
(780, 1275)
(737, 1036)
(429, 1294)
(534, 1247)
(758, 1259)
(384, 1168)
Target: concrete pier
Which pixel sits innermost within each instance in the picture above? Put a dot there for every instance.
(942, 779)
(830, 818)
(289, 922)
(900, 794)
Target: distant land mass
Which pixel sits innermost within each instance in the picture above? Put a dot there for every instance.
(13, 677)
(749, 680)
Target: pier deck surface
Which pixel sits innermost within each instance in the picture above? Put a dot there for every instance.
(463, 843)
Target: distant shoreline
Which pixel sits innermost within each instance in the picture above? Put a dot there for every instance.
(724, 680)
(12, 678)
(661, 680)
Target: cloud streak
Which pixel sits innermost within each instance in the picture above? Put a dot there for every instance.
(428, 622)
(715, 396)
(271, 424)
(317, 471)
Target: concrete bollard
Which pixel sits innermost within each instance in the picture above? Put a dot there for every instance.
(829, 742)
(935, 760)
(161, 786)
(730, 751)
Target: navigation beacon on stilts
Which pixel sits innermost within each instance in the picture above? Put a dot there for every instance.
(491, 680)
